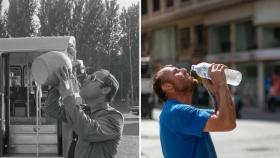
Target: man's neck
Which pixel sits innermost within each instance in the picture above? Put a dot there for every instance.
(183, 97)
(97, 103)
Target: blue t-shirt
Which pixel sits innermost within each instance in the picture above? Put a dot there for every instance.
(181, 131)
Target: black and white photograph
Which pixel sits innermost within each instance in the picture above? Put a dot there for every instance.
(210, 79)
(69, 78)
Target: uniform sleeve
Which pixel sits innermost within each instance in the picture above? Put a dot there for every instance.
(189, 120)
(93, 130)
(53, 106)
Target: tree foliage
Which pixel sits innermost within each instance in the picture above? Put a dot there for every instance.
(55, 17)
(3, 28)
(20, 18)
(111, 32)
(91, 38)
(129, 21)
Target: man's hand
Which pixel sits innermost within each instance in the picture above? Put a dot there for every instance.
(65, 87)
(218, 79)
(224, 118)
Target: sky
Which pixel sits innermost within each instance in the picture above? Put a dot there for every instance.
(127, 3)
(4, 4)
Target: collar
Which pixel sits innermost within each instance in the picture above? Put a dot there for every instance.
(172, 101)
(95, 109)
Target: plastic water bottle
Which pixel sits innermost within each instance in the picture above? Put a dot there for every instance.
(233, 77)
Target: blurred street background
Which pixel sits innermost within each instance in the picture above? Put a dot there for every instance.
(256, 135)
(244, 35)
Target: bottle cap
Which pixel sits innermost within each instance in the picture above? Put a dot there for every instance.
(192, 68)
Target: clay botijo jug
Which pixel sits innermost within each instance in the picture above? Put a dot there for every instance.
(45, 66)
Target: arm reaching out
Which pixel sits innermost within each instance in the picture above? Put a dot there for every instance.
(224, 118)
(87, 128)
(53, 106)
(93, 129)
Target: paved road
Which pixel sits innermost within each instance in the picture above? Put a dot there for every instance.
(150, 145)
(129, 144)
(251, 139)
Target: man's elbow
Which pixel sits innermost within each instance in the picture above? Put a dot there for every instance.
(230, 126)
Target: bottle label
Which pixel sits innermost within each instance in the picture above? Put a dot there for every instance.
(205, 73)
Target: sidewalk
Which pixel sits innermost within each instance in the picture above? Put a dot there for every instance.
(130, 137)
(256, 135)
(256, 114)
(128, 116)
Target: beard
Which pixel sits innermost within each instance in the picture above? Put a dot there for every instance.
(187, 87)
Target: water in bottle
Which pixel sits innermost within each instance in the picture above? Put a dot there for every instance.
(233, 77)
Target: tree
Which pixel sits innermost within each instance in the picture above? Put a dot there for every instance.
(130, 46)
(111, 32)
(55, 17)
(3, 30)
(77, 20)
(91, 33)
(20, 18)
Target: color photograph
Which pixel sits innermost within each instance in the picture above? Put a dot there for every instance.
(69, 78)
(210, 78)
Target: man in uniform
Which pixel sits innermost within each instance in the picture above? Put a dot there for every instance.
(97, 127)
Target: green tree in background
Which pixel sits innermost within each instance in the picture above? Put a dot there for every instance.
(20, 18)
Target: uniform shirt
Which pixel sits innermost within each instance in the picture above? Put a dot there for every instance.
(99, 132)
(181, 131)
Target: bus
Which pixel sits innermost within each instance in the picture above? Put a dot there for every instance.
(26, 131)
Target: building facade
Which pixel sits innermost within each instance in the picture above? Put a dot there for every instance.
(243, 34)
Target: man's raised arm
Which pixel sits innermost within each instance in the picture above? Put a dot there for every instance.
(224, 118)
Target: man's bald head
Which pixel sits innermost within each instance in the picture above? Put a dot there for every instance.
(158, 80)
(173, 80)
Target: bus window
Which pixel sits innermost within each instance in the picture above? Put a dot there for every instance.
(15, 76)
(26, 76)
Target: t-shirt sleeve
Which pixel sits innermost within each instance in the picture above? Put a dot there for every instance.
(210, 111)
(189, 120)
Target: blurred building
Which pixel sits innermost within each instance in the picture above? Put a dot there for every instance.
(244, 34)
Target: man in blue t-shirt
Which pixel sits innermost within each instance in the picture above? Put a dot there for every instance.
(184, 128)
